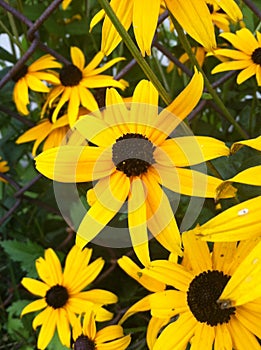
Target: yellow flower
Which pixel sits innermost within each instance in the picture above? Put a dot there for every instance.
(219, 18)
(194, 18)
(61, 293)
(246, 57)
(3, 168)
(134, 157)
(216, 297)
(108, 338)
(74, 82)
(51, 133)
(31, 77)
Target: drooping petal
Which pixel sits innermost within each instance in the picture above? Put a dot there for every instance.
(74, 163)
(34, 306)
(135, 272)
(35, 84)
(137, 220)
(48, 328)
(116, 189)
(245, 283)
(195, 19)
(145, 26)
(154, 327)
(177, 334)
(246, 73)
(160, 217)
(63, 327)
(141, 305)
(242, 221)
(110, 37)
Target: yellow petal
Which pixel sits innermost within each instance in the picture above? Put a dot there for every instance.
(249, 176)
(48, 328)
(73, 105)
(141, 305)
(231, 8)
(223, 338)
(77, 57)
(154, 327)
(109, 333)
(63, 327)
(245, 284)
(35, 84)
(239, 222)
(74, 163)
(195, 20)
(188, 182)
(177, 334)
(34, 306)
(135, 272)
(243, 40)
(189, 150)
(253, 143)
(145, 26)
(35, 287)
(96, 19)
(197, 252)
(237, 55)
(204, 336)
(110, 37)
(246, 73)
(184, 103)
(137, 220)
(231, 65)
(115, 190)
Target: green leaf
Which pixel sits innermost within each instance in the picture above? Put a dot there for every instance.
(25, 253)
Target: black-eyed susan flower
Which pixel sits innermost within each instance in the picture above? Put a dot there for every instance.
(32, 77)
(133, 159)
(216, 300)
(62, 296)
(86, 336)
(246, 57)
(74, 82)
(52, 134)
(4, 168)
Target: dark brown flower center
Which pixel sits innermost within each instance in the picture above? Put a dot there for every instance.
(256, 56)
(202, 297)
(20, 74)
(84, 343)
(133, 154)
(70, 75)
(57, 296)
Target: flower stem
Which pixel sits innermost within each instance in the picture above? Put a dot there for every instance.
(134, 51)
(185, 43)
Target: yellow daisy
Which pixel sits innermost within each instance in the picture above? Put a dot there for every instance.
(61, 293)
(52, 134)
(86, 337)
(216, 298)
(246, 57)
(134, 157)
(74, 82)
(3, 168)
(32, 77)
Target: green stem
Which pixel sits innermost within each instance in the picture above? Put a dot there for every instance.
(185, 43)
(134, 51)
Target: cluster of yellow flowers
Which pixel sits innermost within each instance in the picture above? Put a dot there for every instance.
(205, 295)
